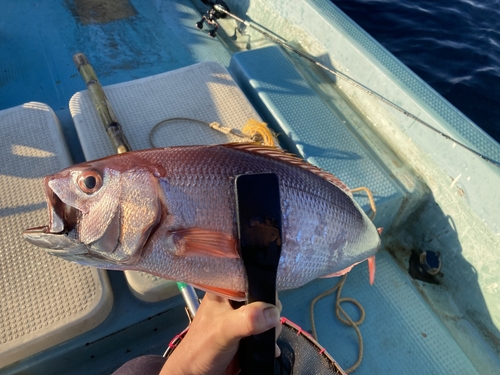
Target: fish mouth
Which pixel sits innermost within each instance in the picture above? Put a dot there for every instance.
(60, 235)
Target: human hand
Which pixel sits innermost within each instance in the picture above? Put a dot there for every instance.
(211, 344)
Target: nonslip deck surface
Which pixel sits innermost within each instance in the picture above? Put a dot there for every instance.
(43, 300)
(401, 334)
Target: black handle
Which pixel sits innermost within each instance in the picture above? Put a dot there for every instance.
(259, 231)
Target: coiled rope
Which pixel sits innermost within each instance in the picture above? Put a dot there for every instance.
(343, 317)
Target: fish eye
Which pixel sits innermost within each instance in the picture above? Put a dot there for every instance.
(89, 182)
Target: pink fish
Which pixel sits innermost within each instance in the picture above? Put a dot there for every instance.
(171, 212)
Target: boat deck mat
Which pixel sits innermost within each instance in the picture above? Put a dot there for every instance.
(44, 300)
(311, 129)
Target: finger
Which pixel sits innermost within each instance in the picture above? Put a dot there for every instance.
(279, 328)
(250, 319)
(213, 298)
(277, 351)
(277, 333)
(278, 304)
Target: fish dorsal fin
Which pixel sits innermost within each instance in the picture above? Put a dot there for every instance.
(276, 153)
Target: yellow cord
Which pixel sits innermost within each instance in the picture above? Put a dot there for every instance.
(253, 131)
(370, 199)
(260, 132)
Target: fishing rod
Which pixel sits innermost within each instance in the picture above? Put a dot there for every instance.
(121, 145)
(102, 105)
(354, 83)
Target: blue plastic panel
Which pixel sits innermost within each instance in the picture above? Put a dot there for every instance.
(309, 127)
(400, 332)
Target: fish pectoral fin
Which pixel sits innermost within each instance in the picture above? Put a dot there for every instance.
(203, 242)
(226, 293)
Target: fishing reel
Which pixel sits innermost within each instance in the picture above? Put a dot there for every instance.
(219, 8)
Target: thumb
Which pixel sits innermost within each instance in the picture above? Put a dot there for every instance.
(251, 319)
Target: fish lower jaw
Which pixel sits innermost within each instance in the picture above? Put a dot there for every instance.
(55, 243)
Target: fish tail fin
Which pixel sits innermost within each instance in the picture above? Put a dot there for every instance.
(371, 269)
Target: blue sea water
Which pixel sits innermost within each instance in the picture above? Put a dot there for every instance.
(453, 45)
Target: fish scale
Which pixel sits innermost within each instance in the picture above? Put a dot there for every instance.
(183, 226)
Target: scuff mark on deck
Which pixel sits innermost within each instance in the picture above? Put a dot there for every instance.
(89, 12)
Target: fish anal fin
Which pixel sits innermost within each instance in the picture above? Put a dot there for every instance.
(203, 242)
(226, 293)
(371, 270)
(338, 273)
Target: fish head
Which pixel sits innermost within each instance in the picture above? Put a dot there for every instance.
(100, 213)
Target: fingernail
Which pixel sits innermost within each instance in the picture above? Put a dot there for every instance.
(272, 315)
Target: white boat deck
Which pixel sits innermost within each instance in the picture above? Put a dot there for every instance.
(56, 317)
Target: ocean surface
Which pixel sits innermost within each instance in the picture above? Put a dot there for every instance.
(453, 45)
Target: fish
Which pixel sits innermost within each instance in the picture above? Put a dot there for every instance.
(171, 212)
